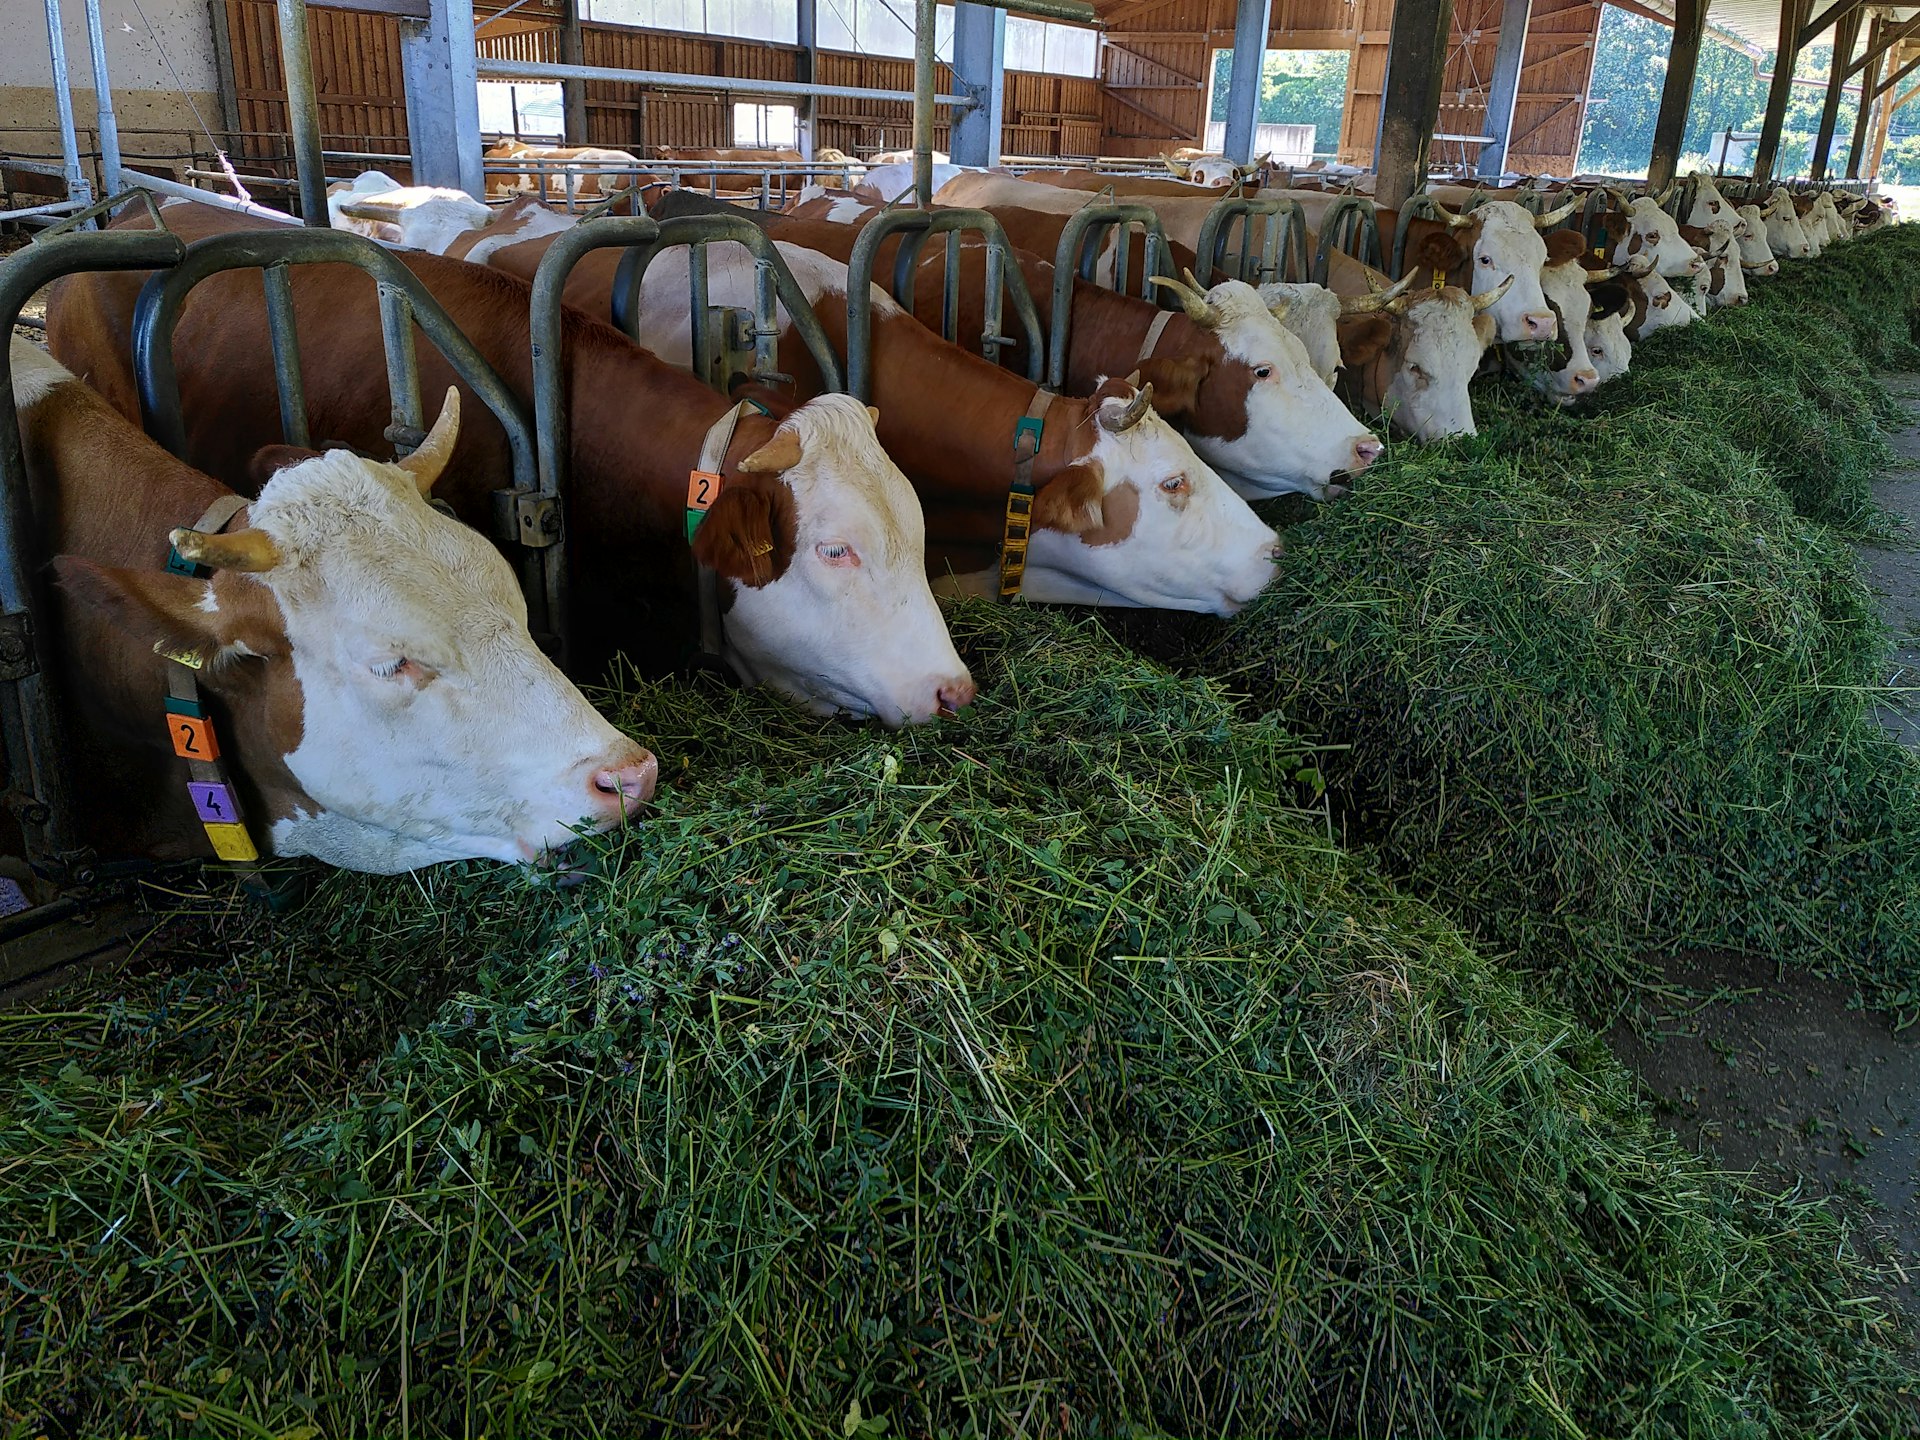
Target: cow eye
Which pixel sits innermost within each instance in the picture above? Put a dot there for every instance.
(1263, 372)
(1176, 484)
(1416, 372)
(1486, 259)
(837, 552)
(1598, 353)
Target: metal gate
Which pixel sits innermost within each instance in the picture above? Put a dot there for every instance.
(36, 754)
(1282, 254)
(1077, 256)
(1350, 227)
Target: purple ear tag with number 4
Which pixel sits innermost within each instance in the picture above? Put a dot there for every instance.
(215, 802)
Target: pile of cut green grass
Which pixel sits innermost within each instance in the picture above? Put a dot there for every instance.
(1044, 1072)
(1599, 690)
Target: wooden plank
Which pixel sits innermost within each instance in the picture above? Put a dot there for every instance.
(1158, 119)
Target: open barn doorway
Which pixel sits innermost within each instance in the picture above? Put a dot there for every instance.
(1302, 96)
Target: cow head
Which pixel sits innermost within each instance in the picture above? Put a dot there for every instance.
(820, 545)
(1708, 205)
(1141, 520)
(1641, 229)
(383, 693)
(1656, 304)
(1310, 313)
(1420, 350)
(1261, 416)
(1786, 236)
(1750, 233)
(1502, 241)
(1609, 350)
(1565, 282)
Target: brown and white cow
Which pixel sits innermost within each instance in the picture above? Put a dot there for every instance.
(1640, 228)
(1724, 284)
(416, 217)
(1756, 256)
(1786, 236)
(579, 172)
(379, 702)
(816, 535)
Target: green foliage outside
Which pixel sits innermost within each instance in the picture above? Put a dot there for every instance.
(1297, 87)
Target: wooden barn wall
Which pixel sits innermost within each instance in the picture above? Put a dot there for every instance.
(356, 72)
(1156, 58)
(1044, 114)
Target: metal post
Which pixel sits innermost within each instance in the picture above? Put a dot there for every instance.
(1505, 87)
(77, 186)
(1416, 56)
(1864, 117)
(1243, 88)
(925, 30)
(1846, 32)
(103, 102)
(303, 111)
(1676, 96)
(806, 68)
(1793, 14)
(440, 66)
(573, 93)
(980, 70)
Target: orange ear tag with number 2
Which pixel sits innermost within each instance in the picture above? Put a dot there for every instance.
(703, 488)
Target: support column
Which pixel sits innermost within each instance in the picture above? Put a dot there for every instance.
(1793, 14)
(806, 67)
(303, 111)
(1243, 89)
(1416, 58)
(924, 35)
(78, 187)
(1864, 118)
(438, 64)
(103, 103)
(1505, 88)
(573, 93)
(1676, 96)
(1846, 32)
(1881, 121)
(979, 70)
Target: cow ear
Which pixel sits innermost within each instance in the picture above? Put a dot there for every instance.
(1615, 225)
(1484, 326)
(1565, 245)
(1176, 381)
(749, 533)
(152, 606)
(1363, 337)
(1693, 234)
(1073, 501)
(1609, 298)
(270, 460)
(1437, 250)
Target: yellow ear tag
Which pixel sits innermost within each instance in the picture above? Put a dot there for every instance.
(232, 842)
(189, 658)
(1439, 278)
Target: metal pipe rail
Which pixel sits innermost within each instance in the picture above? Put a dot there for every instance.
(567, 174)
(1283, 250)
(491, 69)
(404, 303)
(36, 753)
(1077, 257)
(916, 227)
(1350, 227)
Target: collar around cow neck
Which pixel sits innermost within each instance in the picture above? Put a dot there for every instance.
(1028, 434)
(704, 484)
(216, 800)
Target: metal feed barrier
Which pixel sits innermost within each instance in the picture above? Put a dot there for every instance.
(521, 514)
(1282, 254)
(915, 228)
(37, 771)
(1077, 256)
(1350, 227)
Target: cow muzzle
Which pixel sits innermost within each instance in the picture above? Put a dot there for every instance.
(616, 791)
(1541, 324)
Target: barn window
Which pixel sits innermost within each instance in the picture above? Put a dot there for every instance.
(521, 109)
(776, 20)
(758, 126)
(880, 27)
(1303, 94)
(1049, 49)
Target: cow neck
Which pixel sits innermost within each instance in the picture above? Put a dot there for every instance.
(216, 799)
(1111, 331)
(1364, 387)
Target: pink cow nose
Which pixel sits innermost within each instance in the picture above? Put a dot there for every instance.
(952, 696)
(1541, 324)
(618, 791)
(1365, 452)
(1582, 381)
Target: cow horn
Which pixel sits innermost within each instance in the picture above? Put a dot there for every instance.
(780, 453)
(1667, 194)
(1453, 221)
(1279, 308)
(1192, 299)
(248, 550)
(1620, 197)
(1136, 411)
(1379, 299)
(1640, 267)
(1554, 217)
(1493, 297)
(430, 458)
(1604, 273)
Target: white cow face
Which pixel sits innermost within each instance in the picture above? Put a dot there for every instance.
(1786, 236)
(1708, 205)
(1609, 350)
(1310, 313)
(1505, 242)
(1143, 521)
(1727, 285)
(1434, 351)
(1650, 231)
(378, 651)
(824, 545)
(1264, 419)
(1666, 310)
(1756, 258)
(1566, 288)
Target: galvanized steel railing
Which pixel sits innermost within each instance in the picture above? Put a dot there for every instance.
(1283, 249)
(1349, 226)
(1077, 256)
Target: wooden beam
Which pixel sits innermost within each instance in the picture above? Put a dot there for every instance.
(1545, 120)
(1891, 37)
(573, 93)
(1897, 76)
(1416, 58)
(1178, 132)
(1863, 117)
(1793, 14)
(1839, 10)
(1879, 140)
(1845, 35)
(1676, 95)
(1160, 65)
